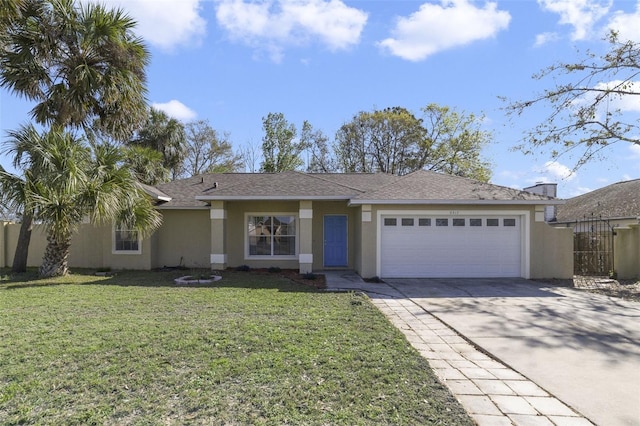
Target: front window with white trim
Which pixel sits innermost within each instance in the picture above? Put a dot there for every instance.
(126, 241)
(271, 235)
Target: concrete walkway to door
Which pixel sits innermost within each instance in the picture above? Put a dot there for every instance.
(550, 348)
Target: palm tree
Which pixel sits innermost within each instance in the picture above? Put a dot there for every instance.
(23, 145)
(75, 180)
(147, 164)
(83, 66)
(165, 135)
(9, 11)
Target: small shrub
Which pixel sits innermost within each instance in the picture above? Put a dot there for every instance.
(243, 268)
(274, 269)
(375, 279)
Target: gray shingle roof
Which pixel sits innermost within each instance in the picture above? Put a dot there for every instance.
(360, 181)
(268, 186)
(428, 186)
(280, 186)
(359, 188)
(619, 200)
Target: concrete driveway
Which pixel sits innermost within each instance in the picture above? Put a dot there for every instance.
(581, 347)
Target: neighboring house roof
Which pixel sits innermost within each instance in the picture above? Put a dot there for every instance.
(421, 187)
(617, 201)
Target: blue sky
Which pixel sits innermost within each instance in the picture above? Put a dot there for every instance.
(233, 61)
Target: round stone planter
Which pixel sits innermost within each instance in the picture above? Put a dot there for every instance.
(188, 279)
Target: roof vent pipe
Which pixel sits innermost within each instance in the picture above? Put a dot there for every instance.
(215, 185)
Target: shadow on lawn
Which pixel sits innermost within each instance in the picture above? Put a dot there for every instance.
(283, 280)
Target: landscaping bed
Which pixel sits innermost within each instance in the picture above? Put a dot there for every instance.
(313, 280)
(625, 289)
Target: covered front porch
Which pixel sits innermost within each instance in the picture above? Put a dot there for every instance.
(306, 235)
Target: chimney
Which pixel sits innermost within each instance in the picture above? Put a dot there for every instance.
(548, 190)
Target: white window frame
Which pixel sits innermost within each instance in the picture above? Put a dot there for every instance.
(114, 250)
(248, 256)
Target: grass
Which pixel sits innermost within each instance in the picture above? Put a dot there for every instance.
(250, 349)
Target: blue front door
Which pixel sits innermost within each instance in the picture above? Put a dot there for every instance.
(335, 241)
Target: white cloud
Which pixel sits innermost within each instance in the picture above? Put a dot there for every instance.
(578, 191)
(626, 24)
(176, 109)
(510, 174)
(557, 171)
(625, 104)
(275, 24)
(635, 151)
(545, 38)
(164, 23)
(582, 15)
(629, 103)
(434, 28)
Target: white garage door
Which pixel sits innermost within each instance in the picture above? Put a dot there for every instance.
(450, 246)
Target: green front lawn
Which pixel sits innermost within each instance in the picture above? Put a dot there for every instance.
(250, 349)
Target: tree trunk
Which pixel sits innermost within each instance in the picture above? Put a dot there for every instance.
(56, 257)
(22, 248)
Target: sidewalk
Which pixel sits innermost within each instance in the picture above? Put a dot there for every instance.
(491, 392)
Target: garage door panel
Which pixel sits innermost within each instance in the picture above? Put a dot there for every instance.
(451, 251)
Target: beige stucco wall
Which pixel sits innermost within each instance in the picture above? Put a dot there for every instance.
(91, 247)
(3, 243)
(551, 251)
(87, 247)
(357, 238)
(183, 239)
(36, 247)
(368, 245)
(626, 251)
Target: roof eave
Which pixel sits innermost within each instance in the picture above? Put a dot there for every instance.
(204, 207)
(270, 197)
(567, 221)
(465, 202)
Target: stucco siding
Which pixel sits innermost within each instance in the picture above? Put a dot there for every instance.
(37, 244)
(551, 251)
(357, 246)
(3, 243)
(87, 246)
(91, 247)
(627, 252)
(183, 239)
